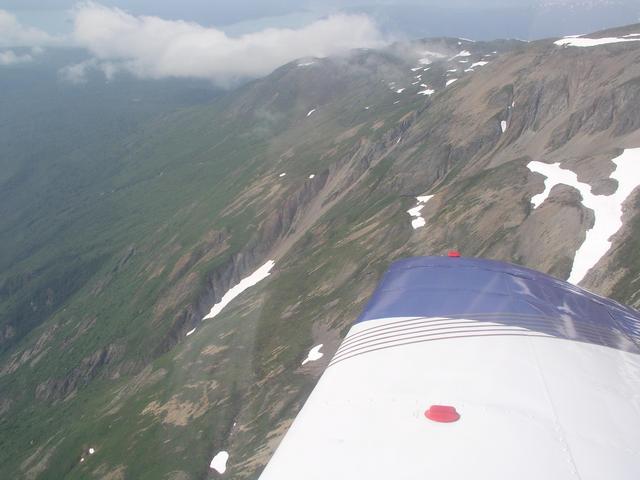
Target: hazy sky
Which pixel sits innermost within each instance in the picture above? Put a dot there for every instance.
(241, 16)
(228, 12)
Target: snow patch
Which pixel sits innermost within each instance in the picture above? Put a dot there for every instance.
(632, 35)
(425, 60)
(463, 53)
(219, 462)
(592, 42)
(418, 221)
(92, 451)
(311, 111)
(503, 125)
(479, 64)
(263, 272)
(190, 332)
(283, 174)
(400, 90)
(415, 69)
(314, 354)
(607, 209)
(452, 70)
(449, 82)
(426, 91)
(312, 176)
(306, 64)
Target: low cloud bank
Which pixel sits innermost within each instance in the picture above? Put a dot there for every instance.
(151, 47)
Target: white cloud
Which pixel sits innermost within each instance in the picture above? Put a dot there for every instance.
(77, 73)
(151, 47)
(14, 34)
(9, 57)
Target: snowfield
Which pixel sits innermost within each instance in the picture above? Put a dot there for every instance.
(260, 274)
(607, 209)
(593, 42)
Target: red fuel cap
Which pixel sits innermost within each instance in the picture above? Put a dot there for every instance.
(454, 253)
(442, 413)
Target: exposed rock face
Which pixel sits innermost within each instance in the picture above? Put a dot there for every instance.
(89, 368)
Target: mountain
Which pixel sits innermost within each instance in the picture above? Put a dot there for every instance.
(113, 255)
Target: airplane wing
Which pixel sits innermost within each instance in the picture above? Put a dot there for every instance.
(463, 368)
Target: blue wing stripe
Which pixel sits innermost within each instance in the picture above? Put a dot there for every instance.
(497, 292)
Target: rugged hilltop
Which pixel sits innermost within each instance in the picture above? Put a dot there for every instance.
(315, 168)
